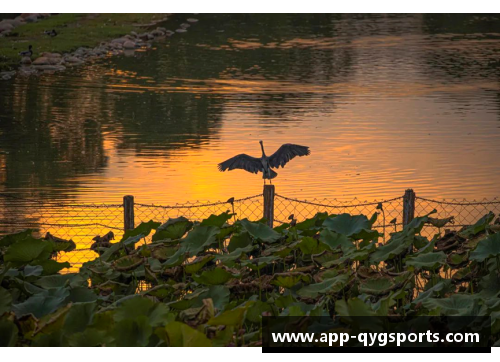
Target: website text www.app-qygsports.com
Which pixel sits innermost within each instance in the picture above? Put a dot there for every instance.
(374, 339)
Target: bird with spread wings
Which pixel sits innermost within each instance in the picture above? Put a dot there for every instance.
(265, 164)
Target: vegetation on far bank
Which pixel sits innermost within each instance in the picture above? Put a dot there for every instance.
(210, 283)
(73, 31)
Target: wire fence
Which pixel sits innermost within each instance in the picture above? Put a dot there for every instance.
(82, 222)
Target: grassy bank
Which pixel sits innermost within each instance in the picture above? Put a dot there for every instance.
(74, 31)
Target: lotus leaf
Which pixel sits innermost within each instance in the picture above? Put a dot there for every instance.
(109, 252)
(327, 286)
(32, 270)
(479, 226)
(61, 280)
(5, 301)
(198, 239)
(225, 231)
(280, 250)
(143, 229)
(462, 275)
(259, 263)
(62, 245)
(189, 300)
(354, 255)
(327, 258)
(81, 295)
(52, 267)
(310, 246)
(290, 279)
(91, 337)
(428, 261)
(138, 307)
(127, 262)
(300, 309)
(52, 322)
(42, 304)
(162, 252)
(173, 229)
(490, 286)
(437, 289)
(79, 317)
(133, 332)
(415, 226)
(377, 286)
(254, 312)
(439, 223)
(28, 250)
(213, 277)
(312, 223)
(354, 307)
(231, 258)
(217, 220)
(239, 241)
(347, 224)
(456, 260)
(177, 259)
(335, 241)
(456, 304)
(423, 245)
(260, 231)
(154, 265)
(180, 335)
(198, 263)
(487, 248)
(285, 300)
(219, 295)
(10, 239)
(398, 244)
(8, 333)
(232, 317)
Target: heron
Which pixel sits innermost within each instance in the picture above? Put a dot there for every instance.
(265, 164)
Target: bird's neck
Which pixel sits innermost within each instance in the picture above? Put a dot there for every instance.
(262, 147)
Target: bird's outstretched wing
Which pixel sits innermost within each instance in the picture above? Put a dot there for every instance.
(285, 153)
(242, 161)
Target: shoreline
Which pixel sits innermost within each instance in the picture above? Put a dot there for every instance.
(124, 34)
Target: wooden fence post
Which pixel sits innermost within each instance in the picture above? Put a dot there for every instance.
(269, 204)
(408, 206)
(128, 212)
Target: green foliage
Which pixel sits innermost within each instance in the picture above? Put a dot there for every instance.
(74, 31)
(428, 261)
(143, 229)
(487, 248)
(173, 229)
(356, 227)
(260, 232)
(209, 283)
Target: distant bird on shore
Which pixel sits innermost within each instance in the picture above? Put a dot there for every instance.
(52, 33)
(27, 53)
(264, 164)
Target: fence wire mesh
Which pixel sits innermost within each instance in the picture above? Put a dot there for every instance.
(82, 222)
(390, 211)
(464, 212)
(248, 207)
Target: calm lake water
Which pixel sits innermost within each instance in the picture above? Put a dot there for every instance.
(386, 102)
